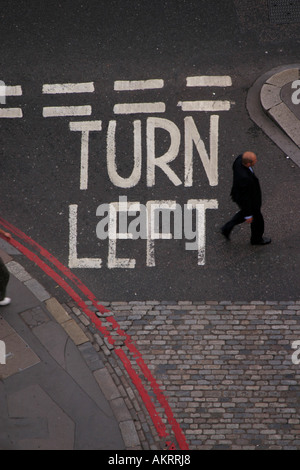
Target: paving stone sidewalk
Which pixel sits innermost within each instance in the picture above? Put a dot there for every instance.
(225, 367)
(55, 393)
(228, 370)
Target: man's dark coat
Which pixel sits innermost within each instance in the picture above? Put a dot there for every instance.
(246, 190)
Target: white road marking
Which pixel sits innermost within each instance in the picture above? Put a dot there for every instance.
(201, 206)
(85, 128)
(11, 113)
(74, 261)
(133, 85)
(135, 176)
(210, 162)
(68, 88)
(137, 108)
(114, 235)
(13, 90)
(163, 161)
(59, 111)
(202, 106)
(211, 81)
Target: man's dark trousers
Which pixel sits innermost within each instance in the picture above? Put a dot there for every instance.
(257, 225)
(4, 278)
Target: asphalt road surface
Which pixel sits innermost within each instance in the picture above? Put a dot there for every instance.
(156, 112)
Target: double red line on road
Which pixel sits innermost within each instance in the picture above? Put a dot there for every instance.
(156, 419)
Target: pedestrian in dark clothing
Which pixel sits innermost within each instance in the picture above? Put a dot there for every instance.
(4, 278)
(246, 193)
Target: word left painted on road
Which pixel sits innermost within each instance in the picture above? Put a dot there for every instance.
(149, 222)
(159, 146)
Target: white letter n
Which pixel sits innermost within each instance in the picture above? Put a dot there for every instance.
(210, 164)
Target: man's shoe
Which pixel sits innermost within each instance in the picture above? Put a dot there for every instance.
(225, 233)
(263, 241)
(5, 301)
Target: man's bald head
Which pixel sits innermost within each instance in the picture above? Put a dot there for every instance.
(249, 159)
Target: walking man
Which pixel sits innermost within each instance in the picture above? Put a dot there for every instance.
(4, 277)
(246, 193)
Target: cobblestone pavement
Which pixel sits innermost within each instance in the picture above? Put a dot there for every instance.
(226, 369)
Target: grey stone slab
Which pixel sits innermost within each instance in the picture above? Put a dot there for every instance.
(18, 271)
(287, 121)
(35, 317)
(285, 76)
(129, 433)
(107, 384)
(37, 289)
(22, 298)
(91, 356)
(120, 409)
(97, 432)
(19, 356)
(80, 372)
(95, 429)
(270, 96)
(54, 339)
(33, 403)
(24, 428)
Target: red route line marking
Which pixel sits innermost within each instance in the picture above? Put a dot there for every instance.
(159, 425)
